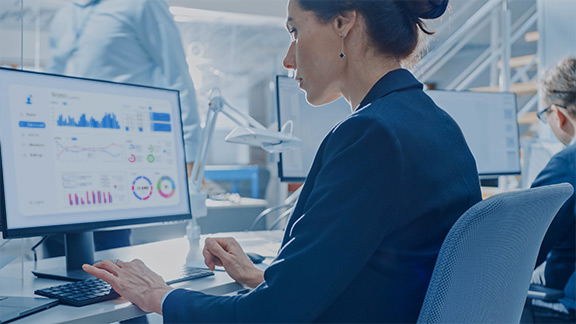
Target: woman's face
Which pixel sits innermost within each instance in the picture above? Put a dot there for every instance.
(314, 55)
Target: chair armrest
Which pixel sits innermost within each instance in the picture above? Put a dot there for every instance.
(544, 293)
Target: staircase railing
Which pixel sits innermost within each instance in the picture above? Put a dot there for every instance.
(423, 70)
(503, 35)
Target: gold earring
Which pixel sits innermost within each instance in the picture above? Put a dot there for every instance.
(342, 55)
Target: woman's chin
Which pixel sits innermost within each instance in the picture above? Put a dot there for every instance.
(314, 101)
(320, 100)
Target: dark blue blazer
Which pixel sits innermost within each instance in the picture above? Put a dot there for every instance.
(385, 187)
(559, 245)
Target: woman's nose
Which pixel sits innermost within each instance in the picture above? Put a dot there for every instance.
(289, 62)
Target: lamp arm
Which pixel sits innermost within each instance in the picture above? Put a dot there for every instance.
(197, 176)
(249, 121)
(217, 104)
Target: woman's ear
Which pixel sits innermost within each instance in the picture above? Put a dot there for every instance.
(344, 22)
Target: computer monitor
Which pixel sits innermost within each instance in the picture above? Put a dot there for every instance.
(489, 123)
(311, 125)
(79, 154)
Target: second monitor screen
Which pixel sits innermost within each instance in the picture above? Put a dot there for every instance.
(489, 124)
(488, 121)
(311, 125)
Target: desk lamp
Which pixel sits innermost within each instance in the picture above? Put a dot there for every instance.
(249, 131)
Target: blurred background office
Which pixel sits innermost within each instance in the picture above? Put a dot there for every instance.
(238, 46)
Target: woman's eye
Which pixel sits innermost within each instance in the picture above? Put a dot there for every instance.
(292, 32)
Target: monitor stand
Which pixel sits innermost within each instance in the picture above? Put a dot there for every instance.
(79, 250)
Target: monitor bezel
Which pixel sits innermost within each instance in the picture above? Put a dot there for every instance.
(489, 175)
(83, 227)
(281, 175)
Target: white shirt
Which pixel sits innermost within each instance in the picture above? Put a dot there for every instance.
(132, 41)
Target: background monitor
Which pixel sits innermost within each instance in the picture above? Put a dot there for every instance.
(79, 154)
(311, 125)
(489, 123)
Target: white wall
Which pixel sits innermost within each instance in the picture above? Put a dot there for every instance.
(557, 28)
(276, 8)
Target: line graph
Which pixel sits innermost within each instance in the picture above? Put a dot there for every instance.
(111, 151)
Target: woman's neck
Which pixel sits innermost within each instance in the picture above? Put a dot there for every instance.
(363, 74)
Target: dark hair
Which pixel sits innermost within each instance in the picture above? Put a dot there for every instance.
(392, 24)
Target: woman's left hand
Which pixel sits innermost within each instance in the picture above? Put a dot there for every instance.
(134, 281)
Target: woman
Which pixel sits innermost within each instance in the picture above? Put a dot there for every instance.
(386, 185)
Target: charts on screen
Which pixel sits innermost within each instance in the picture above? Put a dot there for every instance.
(104, 151)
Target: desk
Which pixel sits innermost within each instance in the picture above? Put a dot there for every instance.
(12, 283)
(488, 192)
(227, 216)
(223, 216)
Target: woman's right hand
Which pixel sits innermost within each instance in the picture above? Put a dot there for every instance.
(227, 252)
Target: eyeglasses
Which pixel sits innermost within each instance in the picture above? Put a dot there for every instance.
(543, 116)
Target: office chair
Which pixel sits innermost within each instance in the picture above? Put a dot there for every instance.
(485, 264)
(546, 305)
(287, 207)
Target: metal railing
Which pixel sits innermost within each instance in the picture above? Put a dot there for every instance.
(503, 34)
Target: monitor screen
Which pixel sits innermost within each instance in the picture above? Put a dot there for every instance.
(489, 124)
(79, 154)
(311, 125)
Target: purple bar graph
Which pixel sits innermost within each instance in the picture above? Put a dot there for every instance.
(93, 197)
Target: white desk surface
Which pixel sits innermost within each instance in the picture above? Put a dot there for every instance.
(244, 202)
(17, 280)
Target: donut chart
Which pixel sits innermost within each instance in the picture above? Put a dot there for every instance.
(142, 188)
(166, 187)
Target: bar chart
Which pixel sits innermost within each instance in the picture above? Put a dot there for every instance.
(108, 121)
(93, 197)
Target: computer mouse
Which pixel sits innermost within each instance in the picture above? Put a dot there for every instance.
(255, 257)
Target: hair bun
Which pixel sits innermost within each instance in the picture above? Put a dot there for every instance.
(439, 7)
(426, 9)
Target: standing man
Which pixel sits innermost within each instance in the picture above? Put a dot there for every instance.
(131, 41)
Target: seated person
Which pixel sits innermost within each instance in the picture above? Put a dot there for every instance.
(558, 247)
(386, 186)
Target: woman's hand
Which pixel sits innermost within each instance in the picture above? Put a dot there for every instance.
(227, 252)
(133, 281)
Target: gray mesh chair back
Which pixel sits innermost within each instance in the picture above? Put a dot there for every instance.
(486, 261)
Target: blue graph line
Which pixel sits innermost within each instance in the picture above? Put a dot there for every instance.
(108, 121)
